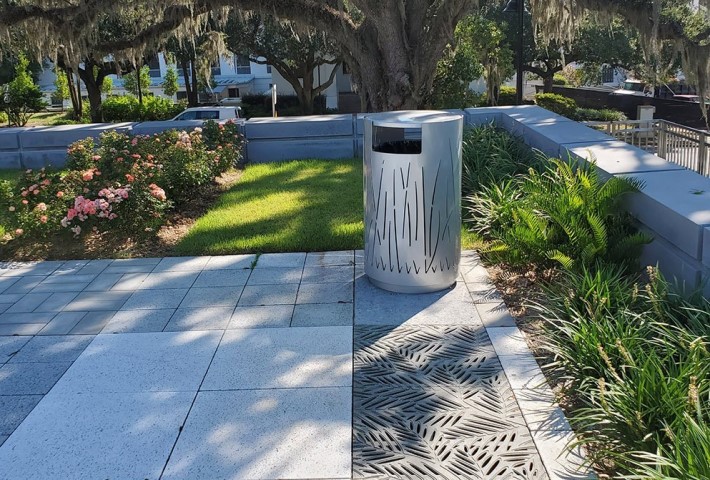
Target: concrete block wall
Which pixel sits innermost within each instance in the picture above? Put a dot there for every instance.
(673, 205)
(293, 138)
(37, 147)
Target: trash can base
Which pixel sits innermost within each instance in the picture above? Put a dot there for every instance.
(390, 287)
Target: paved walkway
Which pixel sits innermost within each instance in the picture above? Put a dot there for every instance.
(285, 366)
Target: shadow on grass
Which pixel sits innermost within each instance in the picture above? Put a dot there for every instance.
(309, 205)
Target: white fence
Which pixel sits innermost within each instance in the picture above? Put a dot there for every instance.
(684, 146)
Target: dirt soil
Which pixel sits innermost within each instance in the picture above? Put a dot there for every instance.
(108, 245)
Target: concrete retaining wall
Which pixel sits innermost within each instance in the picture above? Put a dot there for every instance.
(293, 138)
(37, 147)
(673, 206)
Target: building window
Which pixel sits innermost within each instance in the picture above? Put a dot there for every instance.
(216, 69)
(268, 69)
(154, 65)
(243, 64)
(233, 92)
(607, 74)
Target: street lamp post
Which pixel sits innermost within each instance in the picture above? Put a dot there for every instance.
(518, 7)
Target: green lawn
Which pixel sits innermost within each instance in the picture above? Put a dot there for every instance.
(308, 205)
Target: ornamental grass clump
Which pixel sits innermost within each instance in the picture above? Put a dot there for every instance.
(491, 155)
(120, 183)
(635, 359)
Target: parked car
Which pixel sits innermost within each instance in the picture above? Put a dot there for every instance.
(219, 114)
(230, 101)
(634, 87)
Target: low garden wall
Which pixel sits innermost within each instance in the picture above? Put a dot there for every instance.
(674, 205)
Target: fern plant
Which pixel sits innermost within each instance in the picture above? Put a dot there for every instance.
(564, 214)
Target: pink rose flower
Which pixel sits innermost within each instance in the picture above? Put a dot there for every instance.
(43, 219)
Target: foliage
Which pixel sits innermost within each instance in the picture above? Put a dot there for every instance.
(3, 117)
(559, 79)
(170, 82)
(565, 215)
(107, 85)
(456, 70)
(636, 358)
(295, 51)
(130, 81)
(507, 96)
(493, 54)
(32, 205)
(557, 103)
(127, 109)
(491, 155)
(22, 96)
(120, 183)
(61, 86)
(603, 115)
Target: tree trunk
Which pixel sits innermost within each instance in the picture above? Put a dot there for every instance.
(73, 95)
(93, 91)
(186, 78)
(80, 100)
(305, 93)
(195, 100)
(547, 82)
(138, 84)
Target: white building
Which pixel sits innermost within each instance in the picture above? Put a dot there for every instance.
(233, 77)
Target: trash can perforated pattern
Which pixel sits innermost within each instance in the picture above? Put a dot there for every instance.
(413, 203)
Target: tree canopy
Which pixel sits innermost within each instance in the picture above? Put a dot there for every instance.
(392, 46)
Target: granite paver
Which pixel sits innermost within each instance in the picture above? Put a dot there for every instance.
(282, 366)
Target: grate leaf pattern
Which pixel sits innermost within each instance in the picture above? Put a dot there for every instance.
(433, 402)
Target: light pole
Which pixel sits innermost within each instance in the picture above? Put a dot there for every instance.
(518, 7)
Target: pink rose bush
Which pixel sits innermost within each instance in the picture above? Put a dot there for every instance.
(119, 182)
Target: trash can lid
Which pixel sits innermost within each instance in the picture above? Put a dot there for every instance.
(411, 118)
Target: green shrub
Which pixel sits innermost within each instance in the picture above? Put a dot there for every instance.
(126, 108)
(507, 96)
(22, 96)
(3, 118)
(565, 215)
(490, 155)
(559, 79)
(120, 183)
(603, 115)
(556, 103)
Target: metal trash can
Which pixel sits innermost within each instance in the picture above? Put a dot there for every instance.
(412, 183)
